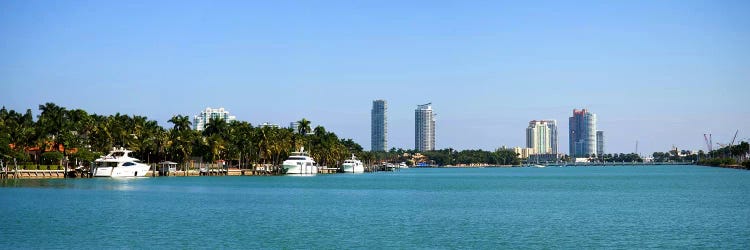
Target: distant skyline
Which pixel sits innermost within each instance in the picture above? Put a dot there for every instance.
(659, 72)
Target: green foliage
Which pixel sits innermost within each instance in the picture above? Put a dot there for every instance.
(717, 162)
(451, 157)
(303, 127)
(683, 156)
(632, 157)
(731, 151)
(52, 157)
(236, 142)
(746, 164)
(84, 155)
(37, 167)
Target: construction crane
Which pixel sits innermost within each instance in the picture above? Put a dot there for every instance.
(709, 142)
(734, 138)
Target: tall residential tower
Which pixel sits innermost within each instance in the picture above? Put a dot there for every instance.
(599, 143)
(379, 126)
(582, 133)
(424, 128)
(542, 136)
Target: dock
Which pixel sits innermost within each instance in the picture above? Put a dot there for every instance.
(78, 173)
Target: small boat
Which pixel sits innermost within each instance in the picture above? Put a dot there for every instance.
(353, 166)
(402, 165)
(118, 163)
(538, 166)
(299, 163)
(389, 167)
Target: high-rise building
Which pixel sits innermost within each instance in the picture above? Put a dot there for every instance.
(269, 125)
(582, 133)
(599, 143)
(424, 128)
(542, 136)
(200, 121)
(524, 153)
(294, 126)
(552, 124)
(379, 126)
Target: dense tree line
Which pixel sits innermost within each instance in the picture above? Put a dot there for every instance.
(453, 157)
(674, 156)
(84, 137)
(727, 155)
(450, 156)
(621, 157)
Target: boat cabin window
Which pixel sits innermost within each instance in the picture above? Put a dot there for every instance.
(297, 158)
(108, 164)
(128, 164)
(118, 154)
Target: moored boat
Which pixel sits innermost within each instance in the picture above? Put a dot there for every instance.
(300, 163)
(118, 163)
(353, 166)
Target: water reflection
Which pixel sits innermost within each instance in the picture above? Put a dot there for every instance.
(119, 184)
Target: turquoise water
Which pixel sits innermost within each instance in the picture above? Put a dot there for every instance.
(574, 207)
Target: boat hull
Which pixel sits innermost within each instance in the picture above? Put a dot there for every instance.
(353, 169)
(296, 169)
(129, 171)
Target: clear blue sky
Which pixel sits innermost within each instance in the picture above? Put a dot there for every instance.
(661, 72)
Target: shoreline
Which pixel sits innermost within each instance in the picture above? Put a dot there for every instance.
(60, 174)
(737, 166)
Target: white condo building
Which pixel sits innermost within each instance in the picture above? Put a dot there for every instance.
(200, 121)
(541, 135)
(424, 128)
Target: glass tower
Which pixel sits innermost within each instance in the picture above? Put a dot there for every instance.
(599, 143)
(379, 126)
(582, 134)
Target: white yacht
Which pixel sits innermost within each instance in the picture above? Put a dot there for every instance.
(118, 163)
(300, 163)
(353, 166)
(402, 165)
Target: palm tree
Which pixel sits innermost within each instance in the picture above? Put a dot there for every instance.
(181, 122)
(18, 130)
(239, 135)
(263, 140)
(215, 148)
(52, 124)
(215, 126)
(181, 138)
(304, 126)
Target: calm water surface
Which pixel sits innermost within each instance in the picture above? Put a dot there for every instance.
(574, 207)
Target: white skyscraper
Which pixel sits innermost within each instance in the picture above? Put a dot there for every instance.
(424, 128)
(542, 136)
(200, 121)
